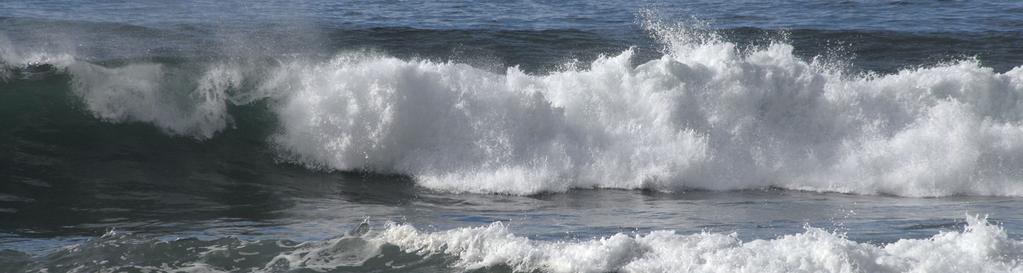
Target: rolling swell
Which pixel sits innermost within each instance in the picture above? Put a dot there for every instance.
(706, 115)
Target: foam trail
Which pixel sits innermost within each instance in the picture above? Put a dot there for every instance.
(459, 128)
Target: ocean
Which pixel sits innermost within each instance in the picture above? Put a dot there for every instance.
(511, 136)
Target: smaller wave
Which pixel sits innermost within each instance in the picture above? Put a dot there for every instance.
(980, 247)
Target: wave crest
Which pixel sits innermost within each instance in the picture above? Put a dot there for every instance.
(982, 247)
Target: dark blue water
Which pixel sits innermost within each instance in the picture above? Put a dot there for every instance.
(610, 16)
(562, 136)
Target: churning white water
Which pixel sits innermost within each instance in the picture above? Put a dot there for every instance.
(981, 247)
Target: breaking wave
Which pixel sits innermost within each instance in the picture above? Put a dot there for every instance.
(708, 114)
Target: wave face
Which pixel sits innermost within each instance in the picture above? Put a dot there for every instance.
(705, 115)
(980, 247)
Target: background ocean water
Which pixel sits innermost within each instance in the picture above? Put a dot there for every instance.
(563, 136)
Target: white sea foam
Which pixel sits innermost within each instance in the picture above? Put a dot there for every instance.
(326, 255)
(981, 247)
(708, 118)
(705, 115)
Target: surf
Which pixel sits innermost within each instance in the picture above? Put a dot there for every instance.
(978, 245)
(708, 114)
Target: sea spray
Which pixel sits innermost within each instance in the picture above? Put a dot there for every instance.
(719, 121)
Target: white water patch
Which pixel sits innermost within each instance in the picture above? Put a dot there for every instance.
(981, 247)
(458, 128)
(716, 119)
